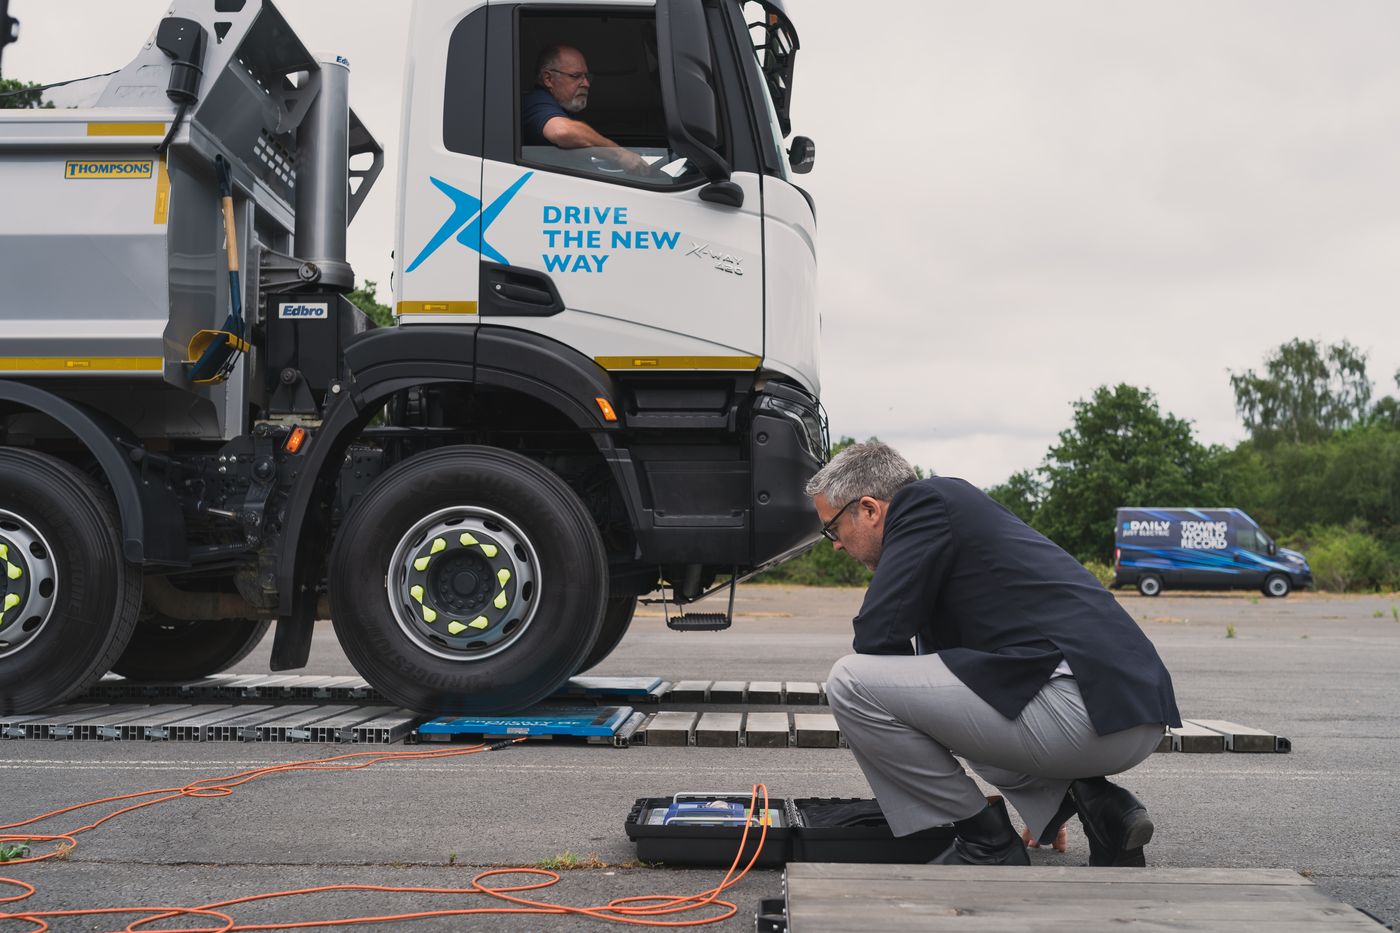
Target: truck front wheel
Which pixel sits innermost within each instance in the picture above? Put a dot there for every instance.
(468, 580)
(69, 597)
(1277, 586)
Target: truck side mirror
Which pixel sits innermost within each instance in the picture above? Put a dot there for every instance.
(802, 155)
(688, 95)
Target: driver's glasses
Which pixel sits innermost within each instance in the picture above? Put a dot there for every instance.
(575, 76)
(829, 529)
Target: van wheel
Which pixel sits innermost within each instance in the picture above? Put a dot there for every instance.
(468, 580)
(1149, 584)
(1277, 585)
(616, 620)
(69, 597)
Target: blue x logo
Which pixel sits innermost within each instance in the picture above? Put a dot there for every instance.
(469, 226)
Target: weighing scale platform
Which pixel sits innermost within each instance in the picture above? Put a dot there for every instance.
(609, 725)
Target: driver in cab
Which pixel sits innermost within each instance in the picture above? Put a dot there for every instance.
(548, 111)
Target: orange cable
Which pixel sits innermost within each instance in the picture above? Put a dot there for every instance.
(636, 910)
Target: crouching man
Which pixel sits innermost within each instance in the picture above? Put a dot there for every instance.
(1021, 663)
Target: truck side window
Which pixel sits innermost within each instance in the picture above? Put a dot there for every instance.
(590, 99)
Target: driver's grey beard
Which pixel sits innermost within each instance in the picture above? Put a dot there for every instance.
(575, 104)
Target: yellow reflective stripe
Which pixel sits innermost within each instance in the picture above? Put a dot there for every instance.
(416, 592)
(13, 572)
(677, 362)
(126, 129)
(503, 575)
(455, 628)
(436, 307)
(467, 540)
(421, 564)
(500, 601)
(11, 601)
(93, 364)
(162, 193)
(438, 545)
(4, 552)
(429, 615)
(489, 550)
(479, 622)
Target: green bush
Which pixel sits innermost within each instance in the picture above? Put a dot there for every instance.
(1101, 570)
(1348, 560)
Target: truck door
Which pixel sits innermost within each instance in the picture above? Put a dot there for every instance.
(437, 252)
(612, 249)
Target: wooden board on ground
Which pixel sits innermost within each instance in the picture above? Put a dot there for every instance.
(672, 727)
(718, 730)
(767, 730)
(827, 898)
(1239, 738)
(816, 730)
(1189, 738)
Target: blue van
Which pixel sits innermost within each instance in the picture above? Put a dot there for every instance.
(1202, 549)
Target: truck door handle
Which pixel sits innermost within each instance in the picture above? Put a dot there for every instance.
(511, 290)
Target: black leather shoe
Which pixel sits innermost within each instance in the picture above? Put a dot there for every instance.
(1115, 822)
(985, 838)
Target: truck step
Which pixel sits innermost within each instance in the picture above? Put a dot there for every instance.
(699, 622)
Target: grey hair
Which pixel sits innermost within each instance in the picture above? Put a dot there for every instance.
(548, 58)
(870, 469)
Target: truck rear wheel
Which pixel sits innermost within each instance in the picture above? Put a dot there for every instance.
(163, 648)
(468, 580)
(70, 597)
(617, 618)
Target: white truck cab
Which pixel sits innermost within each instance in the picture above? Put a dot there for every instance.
(602, 385)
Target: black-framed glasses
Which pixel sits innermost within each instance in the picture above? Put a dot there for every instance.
(829, 529)
(574, 75)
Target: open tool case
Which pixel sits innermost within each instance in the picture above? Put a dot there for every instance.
(703, 829)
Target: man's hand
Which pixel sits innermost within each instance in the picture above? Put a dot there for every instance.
(1061, 839)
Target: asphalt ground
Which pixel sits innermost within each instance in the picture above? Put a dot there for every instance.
(1320, 670)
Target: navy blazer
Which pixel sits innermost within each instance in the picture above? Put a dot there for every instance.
(1002, 605)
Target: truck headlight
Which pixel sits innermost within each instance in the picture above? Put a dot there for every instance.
(811, 425)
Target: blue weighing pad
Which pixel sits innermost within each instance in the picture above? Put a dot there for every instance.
(582, 722)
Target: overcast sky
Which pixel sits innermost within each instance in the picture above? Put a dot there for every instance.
(1019, 200)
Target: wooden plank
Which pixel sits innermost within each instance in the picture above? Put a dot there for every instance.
(825, 898)
(1239, 738)
(728, 691)
(767, 730)
(1189, 738)
(718, 730)
(1060, 874)
(690, 691)
(816, 730)
(802, 692)
(766, 691)
(672, 727)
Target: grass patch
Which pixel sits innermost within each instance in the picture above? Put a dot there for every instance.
(13, 851)
(1229, 631)
(569, 861)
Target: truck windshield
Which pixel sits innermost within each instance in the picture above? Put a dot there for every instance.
(774, 45)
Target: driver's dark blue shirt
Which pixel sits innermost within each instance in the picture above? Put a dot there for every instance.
(536, 109)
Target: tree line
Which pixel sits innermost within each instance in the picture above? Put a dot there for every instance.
(1319, 470)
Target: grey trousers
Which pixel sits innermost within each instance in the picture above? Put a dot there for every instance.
(905, 717)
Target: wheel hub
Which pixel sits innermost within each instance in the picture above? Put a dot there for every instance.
(464, 581)
(28, 580)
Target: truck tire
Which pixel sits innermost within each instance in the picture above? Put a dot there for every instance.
(1277, 585)
(468, 580)
(70, 597)
(163, 648)
(1149, 584)
(617, 618)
